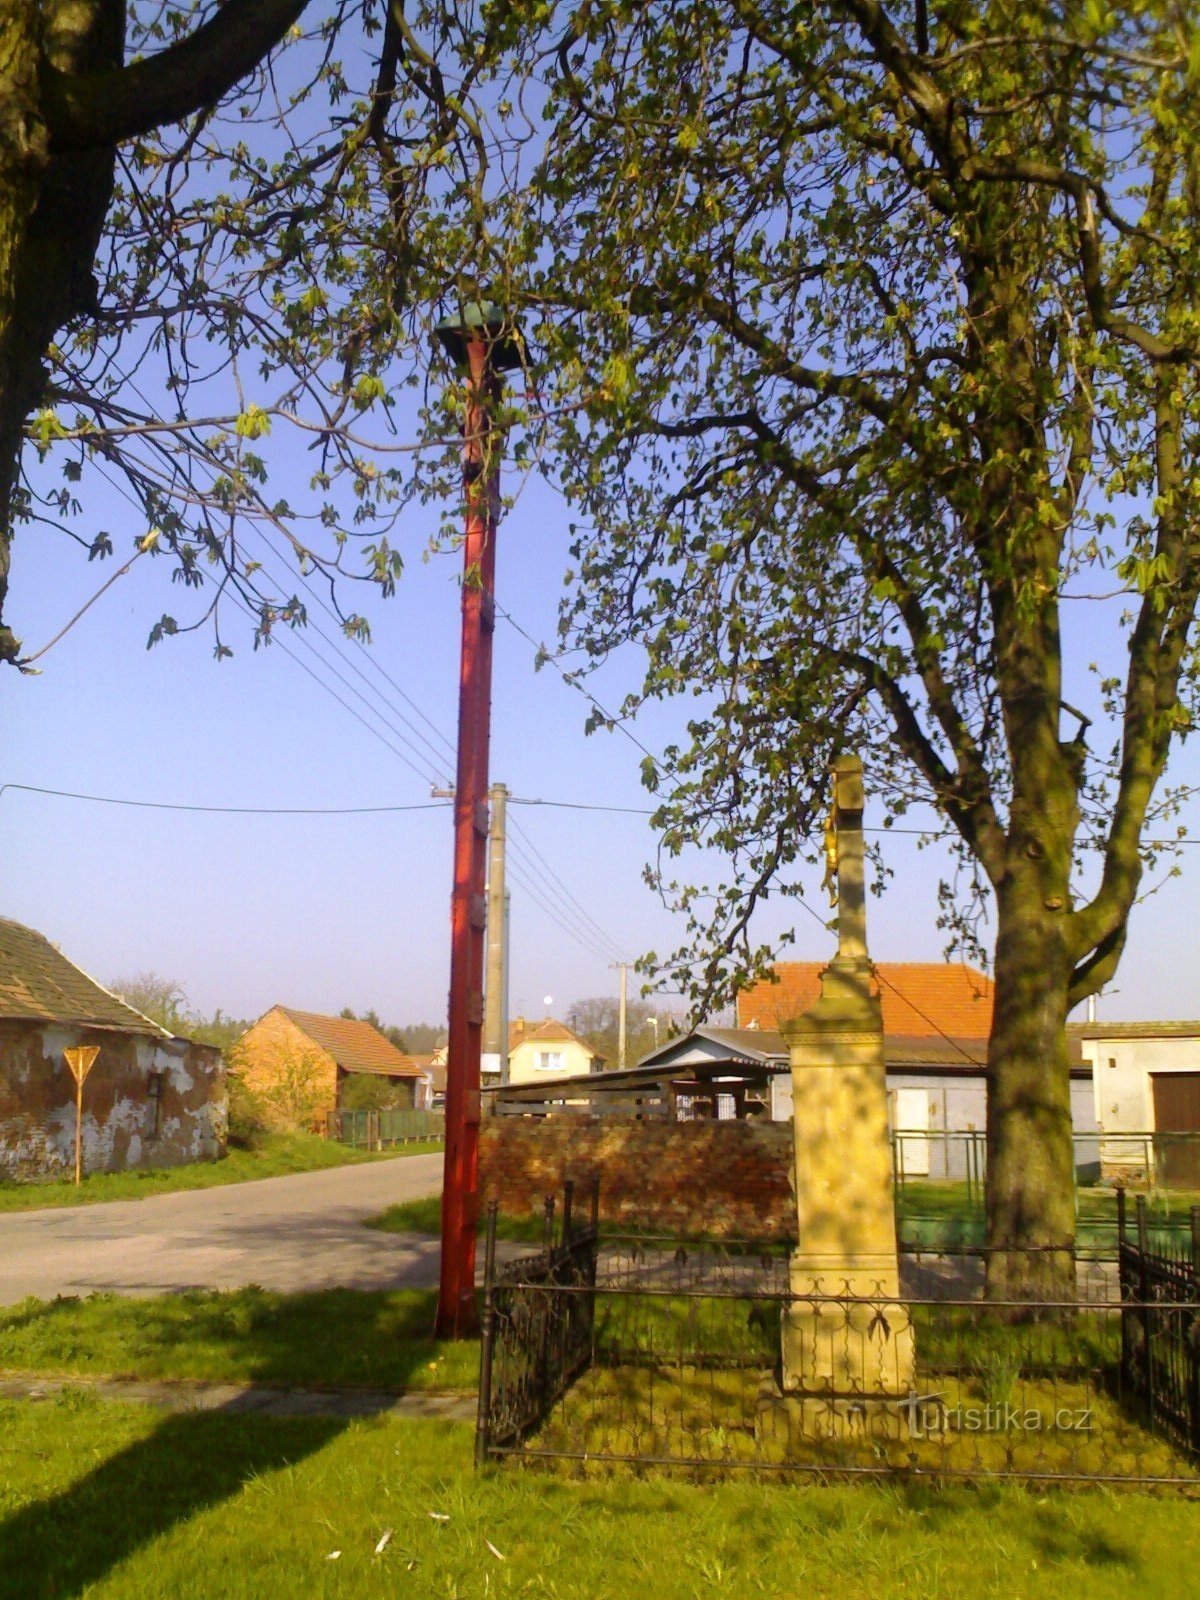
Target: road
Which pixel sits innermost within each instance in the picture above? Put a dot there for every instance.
(290, 1234)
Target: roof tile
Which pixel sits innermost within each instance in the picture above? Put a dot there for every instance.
(39, 984)
(921, 999)
(355, 1046)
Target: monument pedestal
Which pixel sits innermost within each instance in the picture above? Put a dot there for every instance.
(847, 1341)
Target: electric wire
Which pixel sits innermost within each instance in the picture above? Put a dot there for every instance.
(580, 930)
(555, 878)
(517, 875)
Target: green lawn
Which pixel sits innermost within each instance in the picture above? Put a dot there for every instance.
(425, 1216)
(935, 1213)
(120, 1503)
(340, 1337)
(272, 1155)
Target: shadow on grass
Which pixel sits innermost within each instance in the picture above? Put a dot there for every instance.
(66, 1541)
(59, 1546)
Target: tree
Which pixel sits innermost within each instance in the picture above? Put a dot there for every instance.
(598, 1021)
(209, 246)
(880, 326)
(163, 1000)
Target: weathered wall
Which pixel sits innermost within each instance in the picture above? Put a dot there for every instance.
(724, 1179)
(123, 1126)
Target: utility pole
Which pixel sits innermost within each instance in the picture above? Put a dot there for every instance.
(623, 968)
(495, 998)
(481, 347)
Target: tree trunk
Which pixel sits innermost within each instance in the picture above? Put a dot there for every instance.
(52, 209)
(1031, 1158)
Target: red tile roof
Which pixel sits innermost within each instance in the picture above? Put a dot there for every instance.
(921, 999)
(355, 1046)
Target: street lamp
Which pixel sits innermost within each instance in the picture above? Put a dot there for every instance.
(482, 343)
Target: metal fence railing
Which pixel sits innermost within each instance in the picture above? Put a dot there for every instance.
(1160, 1332)
(537, 1327)
(656, 1351)
(381, 1130)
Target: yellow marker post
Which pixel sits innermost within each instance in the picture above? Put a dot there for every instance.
(80, 1058)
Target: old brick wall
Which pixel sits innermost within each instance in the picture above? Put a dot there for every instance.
(146, 1102)
(723, 1179)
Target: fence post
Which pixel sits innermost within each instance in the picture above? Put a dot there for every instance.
(1144, 1295)
(568, 1196)
(1124, 1288)
(548, 1236)
(1190, 1348)
(596, 1204)
(483, 1415)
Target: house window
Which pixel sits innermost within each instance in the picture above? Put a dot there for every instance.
(550, 1060)
(155, 1096)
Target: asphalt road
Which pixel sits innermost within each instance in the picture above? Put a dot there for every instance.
(290, 1234)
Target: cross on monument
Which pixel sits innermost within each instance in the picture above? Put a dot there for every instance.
(847, 828)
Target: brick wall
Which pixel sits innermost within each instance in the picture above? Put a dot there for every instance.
(723, 1179)
(146, 1102)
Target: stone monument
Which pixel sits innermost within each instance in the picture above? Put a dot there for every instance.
(847, 1359)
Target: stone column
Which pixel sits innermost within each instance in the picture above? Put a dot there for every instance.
(845, 1362)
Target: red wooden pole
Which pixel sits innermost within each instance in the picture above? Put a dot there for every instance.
(456, 1313)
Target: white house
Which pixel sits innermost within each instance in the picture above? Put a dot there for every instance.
(1146, 1081)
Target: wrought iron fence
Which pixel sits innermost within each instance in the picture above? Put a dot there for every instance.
(537, 1334)
(650, 1351)
(1160, 1332)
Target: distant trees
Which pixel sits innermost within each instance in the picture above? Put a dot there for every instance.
(165, 1001)
(414, 1038)
(598, 1021)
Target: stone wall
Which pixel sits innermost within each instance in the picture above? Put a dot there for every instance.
(721, 1179)
(146, 1102)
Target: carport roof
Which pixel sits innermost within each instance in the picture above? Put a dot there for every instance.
(39, 984)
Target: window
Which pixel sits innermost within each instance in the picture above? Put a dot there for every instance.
(550, 1060)
(154, 1091)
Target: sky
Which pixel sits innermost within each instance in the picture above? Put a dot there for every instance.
(245, 912)
(321, 912)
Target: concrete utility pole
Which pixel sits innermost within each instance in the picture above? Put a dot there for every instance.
(623, 968)
(481, 345)
(495, 992)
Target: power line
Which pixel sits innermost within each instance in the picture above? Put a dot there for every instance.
(901, 995)
(378, 665)
(529, 845)
(544, 904)
(237, 811)
(425, 776)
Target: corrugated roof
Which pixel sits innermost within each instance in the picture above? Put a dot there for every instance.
(355, 1046)
(39, 984)
(921, 999)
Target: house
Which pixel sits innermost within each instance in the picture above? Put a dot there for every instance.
(937, 1017)
(298, 1061)
(1146, 1079)
(429, 1094)
(151, 1099)
(548, 1049)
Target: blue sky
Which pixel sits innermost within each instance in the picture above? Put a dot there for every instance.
(324, 912)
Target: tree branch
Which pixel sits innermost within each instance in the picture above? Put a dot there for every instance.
(100, 109)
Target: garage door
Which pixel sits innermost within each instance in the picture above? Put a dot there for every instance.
(1177, 1111)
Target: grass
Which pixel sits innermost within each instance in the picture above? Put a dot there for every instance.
(340, 1338)
(425, 1216)
(934, 1214)
(121, 1504)
(270, 1155)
